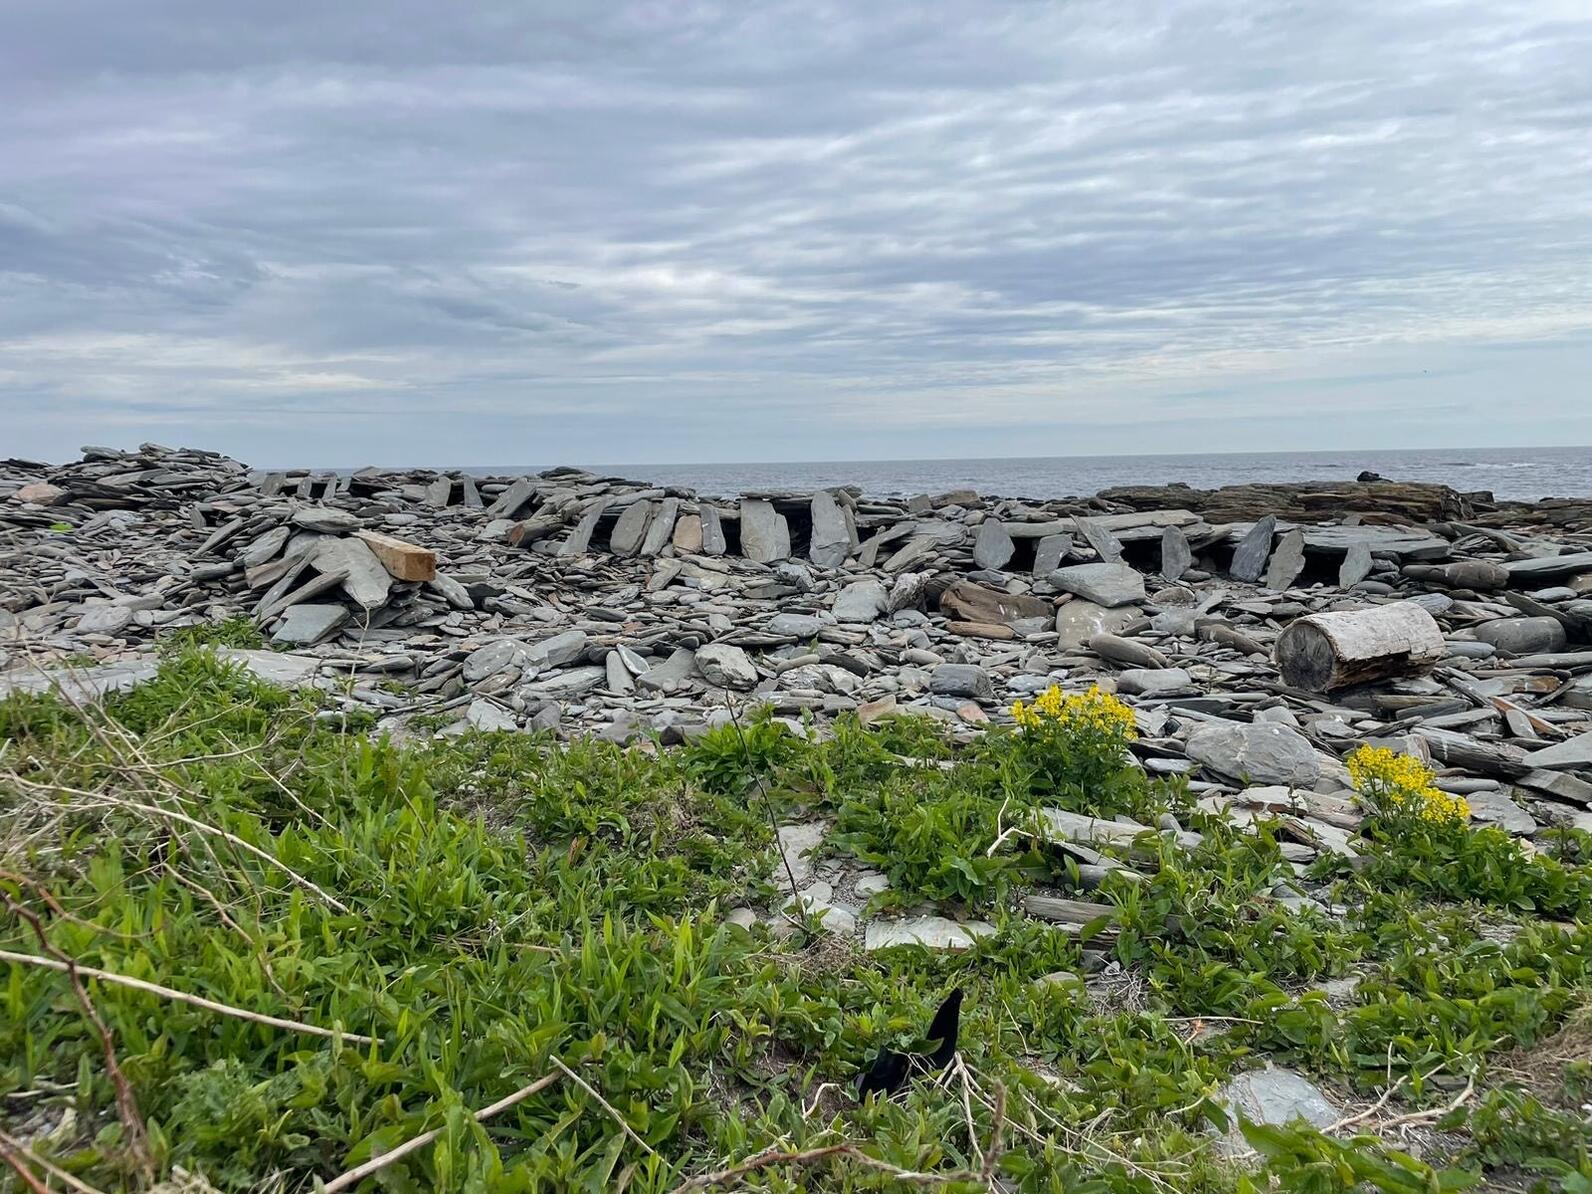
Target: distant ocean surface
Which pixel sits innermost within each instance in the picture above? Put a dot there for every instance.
(1521, 473)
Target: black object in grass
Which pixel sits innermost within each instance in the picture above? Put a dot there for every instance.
(891, 1071)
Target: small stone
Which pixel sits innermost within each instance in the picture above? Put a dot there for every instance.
(105, 619)
(1287, 562)
(1154, 681)
(558, 651)
(493, 658)
(933, 932)
(861, 601)
(631, 529)
(1249, 557)
(1125, 650)
(800, 626)
(1079, 621)
(324, 519)
(305, 624)
(1357, 564)
(726, 666)
(489, 717)
(1494, 808)
(799, 844)
(1109, 585)
(870, 712)
(992, 545)
(831, 540)
(40, 493)
(962, 680)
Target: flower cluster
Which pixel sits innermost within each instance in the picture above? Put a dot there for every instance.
(1085, 711)
(1403, 784)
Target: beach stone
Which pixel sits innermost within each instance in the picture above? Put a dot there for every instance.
(365, 579)
(324, 519)
(1276, 1096)
(1570, 754)
(799, 844)
(673, 673)
(1257, 752)
(1048, 553)
(1253, 550)
(831, 536)
(933, 932)
(1479, 575)
(800, 626)
(1110, 585)
(688, 534)
(1105, 544)
(105, 619)
(1495, 808)
(558, 651)
(1287, 562)
(631, 529)
(726, 666)
(490, 717)
(1357, 564)
(306, 624)
(1154, 681)
(619, 678)
(40, 493)
(860, 601)
(962, 680)
(660, 532)
(765, 535)
(565, 685)
(1079, 621)
(1523, 636)
(992, 545)
(1176, 555)
(713, 541)
(493, 658)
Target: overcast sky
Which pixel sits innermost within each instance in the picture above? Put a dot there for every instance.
(337, 232)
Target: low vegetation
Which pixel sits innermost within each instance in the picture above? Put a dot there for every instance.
(340, 946)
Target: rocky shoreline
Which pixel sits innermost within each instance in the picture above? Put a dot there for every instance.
(575, 603)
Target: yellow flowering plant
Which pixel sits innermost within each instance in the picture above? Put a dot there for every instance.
(1072, 749)
(1401, 787)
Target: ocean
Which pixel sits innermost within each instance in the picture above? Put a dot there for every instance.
(1521, 473)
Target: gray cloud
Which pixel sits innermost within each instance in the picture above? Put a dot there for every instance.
(692, 231)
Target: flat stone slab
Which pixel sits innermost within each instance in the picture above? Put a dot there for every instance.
(308, 624)
(1109, 585)
(1570, 754)
(932, 932)
(1260, 752)
(79, 685)
(275, 667)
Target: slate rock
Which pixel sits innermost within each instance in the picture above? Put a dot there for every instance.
(1154, 681)
(1048, 553)
(765, 535)
(1523, 636)
(962, 680)
(726, 666)
(105, 619)
(931, 932)
(325, 519)
(1287, 562)
(365, 579)
(1276, 1096)
(800, 626)
(1494, 808)
(309, 623)
(992, 545)
(1257, 752)
(661, 530)
(1570, 754)
(1357, 564)
(492, 659)
(631, 529)
(831, 536)
(1176, 555)
(557, 651)
(1110, 585)
(1253, 550)
(860, 601)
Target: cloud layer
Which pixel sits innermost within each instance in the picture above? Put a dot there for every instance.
(524, 232)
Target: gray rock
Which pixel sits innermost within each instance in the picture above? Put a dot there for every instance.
(933, 932)
(1287, 562)
(631, 529)
(1275, 1096)
(801, 626)
(765, 536)
(1048, 553)
(489, 716)
(571, 682)
(1253, 550)
(493, 658)
(1257, 752)
(1109, 585)
(1523, 636)
(1494, 808)
(264, 548)
(831, 536)
(1570, 754)
(992, 546)
(303, 625)
(799, 844)
(1105, 544)
(1125, 650)
(324, 519)
(1154, 681)
(962, 680)
(619, 678)
(558, 651)
(365, 580)
(713, 541)
(661, 531)
(579, 541)
(1357, 564)
(726, 666)
(1176, 555)
(1079, 621)
(80, 686)
(105, 619)
(860, 601)
(673, 673)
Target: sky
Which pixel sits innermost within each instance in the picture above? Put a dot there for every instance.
(528, 232)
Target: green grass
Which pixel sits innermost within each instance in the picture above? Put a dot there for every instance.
(495, 902)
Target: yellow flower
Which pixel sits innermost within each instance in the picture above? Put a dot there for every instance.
(1405, 783)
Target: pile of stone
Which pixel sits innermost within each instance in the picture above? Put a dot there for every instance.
(579, 603)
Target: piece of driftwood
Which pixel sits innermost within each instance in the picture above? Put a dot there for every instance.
(1321, 652)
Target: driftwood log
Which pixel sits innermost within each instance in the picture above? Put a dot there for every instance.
(1321, 652)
